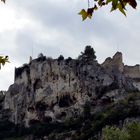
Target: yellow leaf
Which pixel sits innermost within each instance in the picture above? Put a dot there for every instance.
(121, 9)
(84, 14)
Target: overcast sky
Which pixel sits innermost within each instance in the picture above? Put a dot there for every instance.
(53, 27)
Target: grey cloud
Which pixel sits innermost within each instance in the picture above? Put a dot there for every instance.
(112, 28)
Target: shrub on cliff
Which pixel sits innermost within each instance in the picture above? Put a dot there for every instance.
(88, 53)
(130, 131)
(60, 58)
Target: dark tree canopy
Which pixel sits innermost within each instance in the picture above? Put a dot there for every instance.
(60, 58)
(89, 52)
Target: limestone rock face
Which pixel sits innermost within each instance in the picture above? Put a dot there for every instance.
(4, 113)
(115, 62)
(133, 72)
(53, 90)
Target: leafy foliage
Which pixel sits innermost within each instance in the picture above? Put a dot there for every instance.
(134, 130)
(130, 131)
(115, 5)
(114, 133)
(3, 60)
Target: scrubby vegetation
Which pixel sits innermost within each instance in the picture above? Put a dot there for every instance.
(130, 131)
(88, 53)
(105, 124)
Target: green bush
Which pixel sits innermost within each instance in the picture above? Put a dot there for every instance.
(134, 130)
(130, 131)
(114, 133)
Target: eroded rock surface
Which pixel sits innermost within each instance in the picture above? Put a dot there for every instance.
(48, 90)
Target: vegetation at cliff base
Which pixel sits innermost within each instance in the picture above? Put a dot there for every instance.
(130, 131)
(87, 126)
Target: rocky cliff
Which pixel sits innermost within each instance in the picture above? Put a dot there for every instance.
(132, 72)
(51, 89)
(56, 90)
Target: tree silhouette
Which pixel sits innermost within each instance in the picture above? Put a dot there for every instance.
(60, 58)
(88, 54)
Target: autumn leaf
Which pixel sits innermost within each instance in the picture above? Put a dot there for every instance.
(120, 7)
(132, 3)
(90, 12)
(84, 14)
(108, 1)
(95, 7)
(3, 60)
(115, 5)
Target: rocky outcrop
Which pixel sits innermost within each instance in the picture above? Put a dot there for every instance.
(5, 114)
(130, 72)
(50, 90)
(114, 63)
(133, 72)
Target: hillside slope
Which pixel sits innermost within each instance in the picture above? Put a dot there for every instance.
(70, 98)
